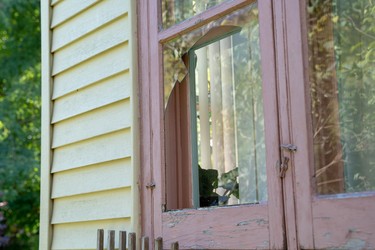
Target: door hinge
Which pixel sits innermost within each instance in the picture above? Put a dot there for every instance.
(283, 166)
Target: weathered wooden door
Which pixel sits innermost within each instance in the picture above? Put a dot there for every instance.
(318, 163)
(228, 49)
(330, 60)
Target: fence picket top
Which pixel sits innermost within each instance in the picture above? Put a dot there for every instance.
(132, 241)
(145, 243)
(159, 243)
(174, 246)
(100, 240)
(111, 240)
(122, 240)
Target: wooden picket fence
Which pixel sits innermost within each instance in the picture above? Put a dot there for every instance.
(131, 240)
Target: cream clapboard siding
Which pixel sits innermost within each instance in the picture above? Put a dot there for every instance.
(90, 166)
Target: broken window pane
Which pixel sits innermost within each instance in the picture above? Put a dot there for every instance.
(175, 51)
(214, 115)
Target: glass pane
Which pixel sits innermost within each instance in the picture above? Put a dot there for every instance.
(176, 11)
(341, 39)
(229, 119)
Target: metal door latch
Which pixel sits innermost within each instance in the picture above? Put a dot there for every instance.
(283, 166)
(151, 185)
(289, 147)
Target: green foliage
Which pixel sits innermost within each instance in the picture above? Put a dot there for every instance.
(209, 181)
(20, 120)
(207, 185)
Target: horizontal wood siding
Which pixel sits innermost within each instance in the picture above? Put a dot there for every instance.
(91, 71)
(87, 22)
(68, 9)
(109, 147)
(54, 2)
(103, 39)
(97, 95)
(93, 206)
(98, 177)
(91, 124)
(93, 165)
(69, 236)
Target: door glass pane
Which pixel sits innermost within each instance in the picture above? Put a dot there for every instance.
(341, 43)
(214, 123)
(176, 11)
(228, 111)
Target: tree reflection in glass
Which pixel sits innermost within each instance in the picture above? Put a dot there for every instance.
(341, 46)
(176, 11)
